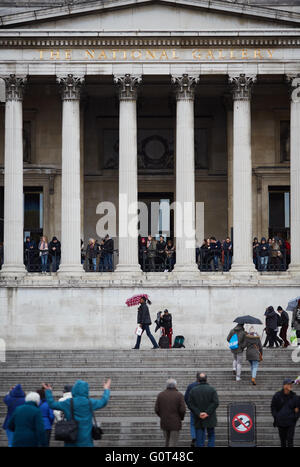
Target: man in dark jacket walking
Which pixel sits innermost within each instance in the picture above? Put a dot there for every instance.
(284, 325)
(272, 327)
(144, 322)
(203, 402)
(285, 407)
(170, 407)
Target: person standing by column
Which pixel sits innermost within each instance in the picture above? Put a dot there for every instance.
(170, 407)
(144, 321)
(284, 325)
(285, 410)
(44, 253)
(204, 401)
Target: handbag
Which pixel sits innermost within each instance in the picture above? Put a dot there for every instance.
(139, 331)
(97, 431)
(67, 430)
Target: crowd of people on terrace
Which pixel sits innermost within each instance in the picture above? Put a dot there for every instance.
(269, 254)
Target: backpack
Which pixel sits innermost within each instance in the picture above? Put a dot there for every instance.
(234, 342)
(178, 342)
(163, 342)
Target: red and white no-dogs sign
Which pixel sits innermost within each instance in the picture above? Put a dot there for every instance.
(242, 423)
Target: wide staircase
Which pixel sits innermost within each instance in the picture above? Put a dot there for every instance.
(139, 375)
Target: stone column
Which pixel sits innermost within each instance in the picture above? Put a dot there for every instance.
(13, 178)
(185, 175)
(295, 172)
(70, 195)
(128, 174)
(242, 174)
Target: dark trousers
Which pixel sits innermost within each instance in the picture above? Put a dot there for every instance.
(48, 436)
(286, 434)
(282, 334)
(146, 328)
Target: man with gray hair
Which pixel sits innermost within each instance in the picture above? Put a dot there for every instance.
(170, 407)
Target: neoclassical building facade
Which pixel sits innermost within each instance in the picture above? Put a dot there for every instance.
(109, 104)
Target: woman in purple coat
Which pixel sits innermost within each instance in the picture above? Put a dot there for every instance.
(13, 399)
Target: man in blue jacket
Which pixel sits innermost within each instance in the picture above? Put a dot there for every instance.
(186, 399)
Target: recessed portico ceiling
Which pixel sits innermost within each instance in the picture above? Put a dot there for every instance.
(36, 17)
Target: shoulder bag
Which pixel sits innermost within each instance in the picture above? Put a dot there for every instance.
(97, 431)
(67, 430)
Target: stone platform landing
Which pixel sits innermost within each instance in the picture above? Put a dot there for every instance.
(137, 378)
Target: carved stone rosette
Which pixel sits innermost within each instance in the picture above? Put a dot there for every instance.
(294, 87)
(128, 85)
(14, 86)
(185, 86)
(70, 86)
(242, 86)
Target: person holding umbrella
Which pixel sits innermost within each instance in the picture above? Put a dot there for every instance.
(240, 334)
(144, 322)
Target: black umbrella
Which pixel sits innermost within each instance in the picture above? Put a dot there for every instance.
(247, 319)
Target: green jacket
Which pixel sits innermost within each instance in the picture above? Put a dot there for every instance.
(204, 398)
(28, 426)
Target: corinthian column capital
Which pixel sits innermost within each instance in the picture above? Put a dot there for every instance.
(294, 86)
(242, 86)
(185, 86)
(128, 85)
(14, 87)
(70, 86)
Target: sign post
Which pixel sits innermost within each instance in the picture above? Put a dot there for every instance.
(242, 424)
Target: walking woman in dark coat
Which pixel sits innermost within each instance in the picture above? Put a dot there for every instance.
(253, 352)
(144, 322)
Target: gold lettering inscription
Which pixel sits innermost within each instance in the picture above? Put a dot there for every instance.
(210, 54)
(257, 53)
(156, 54)
(90, 53)
(102, 55)
(150, 54)
(136, 54)
(196, 54)
(54, 54)
(245, 53)
(164, 55)
(68, 54)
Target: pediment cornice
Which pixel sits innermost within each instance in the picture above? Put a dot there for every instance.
(217, 6)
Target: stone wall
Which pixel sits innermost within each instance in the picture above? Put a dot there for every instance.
(90, 315)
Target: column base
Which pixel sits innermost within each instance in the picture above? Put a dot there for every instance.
(186, 271)
(70, 270)
(130, 269)
(294, 269)
(13, 270)
(243, 269)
